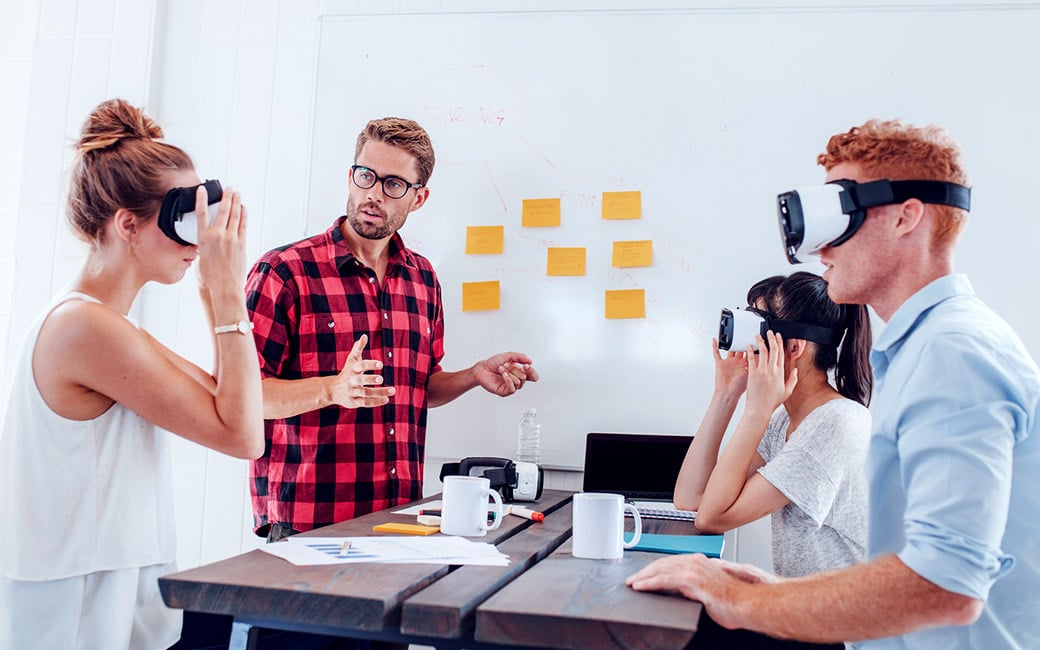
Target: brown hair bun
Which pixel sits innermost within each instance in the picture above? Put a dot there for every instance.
(113, 121)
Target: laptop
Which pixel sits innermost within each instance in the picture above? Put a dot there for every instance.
(641, 467)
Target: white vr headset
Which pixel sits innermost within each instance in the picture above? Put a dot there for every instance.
(738, 327)
(812, 218)
(177, 216)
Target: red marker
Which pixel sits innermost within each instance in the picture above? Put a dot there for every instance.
(526, 513)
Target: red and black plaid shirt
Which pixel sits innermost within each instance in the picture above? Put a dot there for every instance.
(309, 302)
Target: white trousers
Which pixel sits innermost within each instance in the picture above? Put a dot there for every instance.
(103, 610)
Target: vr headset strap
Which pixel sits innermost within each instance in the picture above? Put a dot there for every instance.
(449, 469)
(794, 330)
(885, 192)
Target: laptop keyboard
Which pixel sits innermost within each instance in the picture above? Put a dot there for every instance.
(650, 510)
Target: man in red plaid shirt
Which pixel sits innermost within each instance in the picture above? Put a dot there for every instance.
(350, 330)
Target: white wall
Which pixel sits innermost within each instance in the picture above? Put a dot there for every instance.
(231, 81)
(17, 39)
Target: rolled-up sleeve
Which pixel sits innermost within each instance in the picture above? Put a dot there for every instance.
(956, 443)
(272, 301)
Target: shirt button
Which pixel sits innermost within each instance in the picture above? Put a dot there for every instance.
(390, 354)
(371, 280)
(427, 330)
(393, 470)
(391, 431)
(332, 323)
(386, 315)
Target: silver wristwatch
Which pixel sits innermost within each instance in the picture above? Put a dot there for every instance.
(243, 327)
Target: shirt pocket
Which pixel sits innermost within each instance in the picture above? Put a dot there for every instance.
(318, 344)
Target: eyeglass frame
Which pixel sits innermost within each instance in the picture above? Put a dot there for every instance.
(382, 181)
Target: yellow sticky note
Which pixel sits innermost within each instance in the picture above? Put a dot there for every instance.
(540, 213)
(622, 205)
(565, 261)
(480, 296)
(626, 303)
(633, 253)
(485, 240)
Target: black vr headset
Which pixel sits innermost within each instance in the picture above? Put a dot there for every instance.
(514, 481)
(812, 218)
(738, 327)
(177, 218)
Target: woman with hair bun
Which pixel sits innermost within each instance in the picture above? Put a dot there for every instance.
(85, 471)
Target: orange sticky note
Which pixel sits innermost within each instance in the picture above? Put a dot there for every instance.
(565, 261)
(622, 205)
(406, 529)
(633, 253)
(480, 296)
(625, 303)
(540, 213)
(485, 240)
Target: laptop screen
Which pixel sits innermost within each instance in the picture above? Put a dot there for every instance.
(635, 465)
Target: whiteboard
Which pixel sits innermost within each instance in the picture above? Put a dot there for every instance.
(708, 114)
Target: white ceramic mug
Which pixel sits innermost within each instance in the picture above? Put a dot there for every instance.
(599, 526)
(464, 506)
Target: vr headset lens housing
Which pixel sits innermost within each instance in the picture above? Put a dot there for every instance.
(738, 327)
(829, 215)
(177, 218)
(811, 218)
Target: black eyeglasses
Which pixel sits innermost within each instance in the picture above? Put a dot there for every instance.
(393, 186)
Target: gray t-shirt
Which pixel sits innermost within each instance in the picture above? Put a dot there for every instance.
(820, 469)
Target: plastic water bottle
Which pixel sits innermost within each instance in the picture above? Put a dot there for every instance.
(529, 437)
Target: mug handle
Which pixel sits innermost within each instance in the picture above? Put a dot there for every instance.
(497, 498)
(638, 524)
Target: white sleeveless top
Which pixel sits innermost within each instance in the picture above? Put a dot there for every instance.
(80, 496)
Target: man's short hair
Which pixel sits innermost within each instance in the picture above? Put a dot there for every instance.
(896, 151)
(403, 133)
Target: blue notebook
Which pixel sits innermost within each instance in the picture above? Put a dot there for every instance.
(710, 545)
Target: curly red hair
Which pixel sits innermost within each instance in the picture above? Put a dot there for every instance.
(897, 151)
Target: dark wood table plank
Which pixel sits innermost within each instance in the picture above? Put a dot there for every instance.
(265, 590)
(446, 609)
(568, 602)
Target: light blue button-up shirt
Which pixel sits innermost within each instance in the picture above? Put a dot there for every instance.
(954, 463)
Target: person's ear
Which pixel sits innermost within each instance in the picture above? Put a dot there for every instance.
(125, 224)
(909, 216)
(421, 195)
(796, 348)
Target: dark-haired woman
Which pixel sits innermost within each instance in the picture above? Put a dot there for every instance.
(85, 474)
(798, 450)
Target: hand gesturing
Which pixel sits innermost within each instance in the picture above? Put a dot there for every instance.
(355, 386)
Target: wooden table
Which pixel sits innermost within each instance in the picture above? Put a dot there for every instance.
(545, 598)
